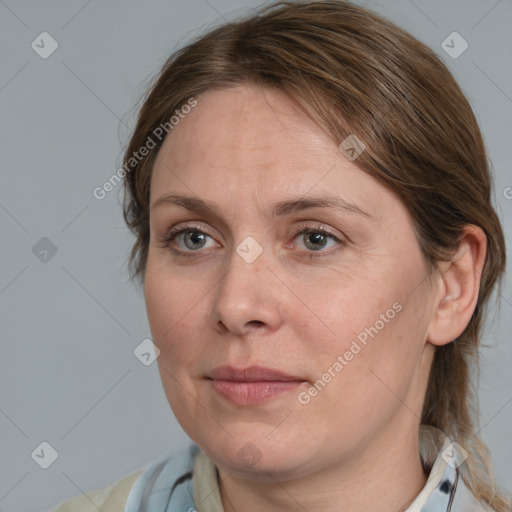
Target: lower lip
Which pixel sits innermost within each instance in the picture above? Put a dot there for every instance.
(248, 393)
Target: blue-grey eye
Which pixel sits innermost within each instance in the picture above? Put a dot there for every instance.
(196, 238)
(317, 240)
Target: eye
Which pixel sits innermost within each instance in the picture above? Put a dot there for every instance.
(188, 238)
(316, 238)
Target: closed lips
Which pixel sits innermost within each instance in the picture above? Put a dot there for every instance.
(251, 374)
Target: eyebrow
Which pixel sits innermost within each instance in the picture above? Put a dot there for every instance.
(277, 210)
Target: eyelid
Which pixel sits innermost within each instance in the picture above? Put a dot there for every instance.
(190, 226)
(312, 226)
(317, 227)
(179, 230)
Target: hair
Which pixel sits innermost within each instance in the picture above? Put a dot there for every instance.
(355, 73)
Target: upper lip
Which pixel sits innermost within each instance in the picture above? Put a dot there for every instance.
(251, 374)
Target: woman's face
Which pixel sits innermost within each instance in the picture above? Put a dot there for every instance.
(344, 314)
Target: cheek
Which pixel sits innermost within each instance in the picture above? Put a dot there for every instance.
(170, 310)
(379, 357)
(366, 328)
(160, 306)
(170, 313)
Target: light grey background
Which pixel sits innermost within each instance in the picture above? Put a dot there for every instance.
(68, 375)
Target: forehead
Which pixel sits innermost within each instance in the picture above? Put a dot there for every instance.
(247, 135)
(247, 122)
(254, 145)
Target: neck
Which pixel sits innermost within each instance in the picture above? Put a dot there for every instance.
(386, 475)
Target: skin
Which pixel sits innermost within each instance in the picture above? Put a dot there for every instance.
(243, 149)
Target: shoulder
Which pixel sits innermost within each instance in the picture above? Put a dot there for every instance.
(146, 484)
(108, 499)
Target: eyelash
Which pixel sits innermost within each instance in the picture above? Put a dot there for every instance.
(174, 233)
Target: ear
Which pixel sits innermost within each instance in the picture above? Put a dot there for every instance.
(459, 284)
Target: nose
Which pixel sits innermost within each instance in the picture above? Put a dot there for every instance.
(248, 298)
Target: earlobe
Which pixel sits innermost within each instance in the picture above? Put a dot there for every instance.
(458, 288)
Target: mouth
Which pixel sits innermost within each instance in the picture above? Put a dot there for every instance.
(252, 385)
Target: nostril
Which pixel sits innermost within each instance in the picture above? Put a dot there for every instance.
(256, 323)
(222, 327)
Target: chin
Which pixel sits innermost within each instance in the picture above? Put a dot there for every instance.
(259, 457)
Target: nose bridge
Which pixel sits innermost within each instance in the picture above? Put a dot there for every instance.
(245, 296)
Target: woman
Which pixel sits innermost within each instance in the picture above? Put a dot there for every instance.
(310, 196)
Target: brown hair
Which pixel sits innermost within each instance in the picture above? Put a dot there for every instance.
(355, 72)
